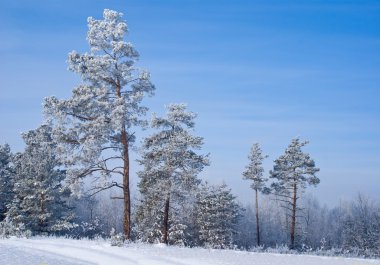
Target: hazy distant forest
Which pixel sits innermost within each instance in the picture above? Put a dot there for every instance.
(73, 177)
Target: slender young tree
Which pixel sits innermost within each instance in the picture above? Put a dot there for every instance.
(94, 127)
(254, 171)
(6, 179)
(292, 173)
(171, 165)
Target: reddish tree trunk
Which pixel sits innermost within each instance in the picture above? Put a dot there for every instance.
(126, 192)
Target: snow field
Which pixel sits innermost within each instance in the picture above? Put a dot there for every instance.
(58, 251)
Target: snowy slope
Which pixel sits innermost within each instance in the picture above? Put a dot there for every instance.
(51, 251)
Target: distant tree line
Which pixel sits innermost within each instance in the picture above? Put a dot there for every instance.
(73, 177)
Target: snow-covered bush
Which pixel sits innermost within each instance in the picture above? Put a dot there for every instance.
(117, 239)
(91, 229)
(8, 229)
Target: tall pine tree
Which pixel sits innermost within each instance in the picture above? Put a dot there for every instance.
(254, 171)
(292, 173)
(94, 126)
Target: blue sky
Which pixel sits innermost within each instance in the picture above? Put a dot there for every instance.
(254, 71)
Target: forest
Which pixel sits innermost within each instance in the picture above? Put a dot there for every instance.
(73, 177)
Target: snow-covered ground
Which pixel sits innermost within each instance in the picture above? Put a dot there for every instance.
(55, 251)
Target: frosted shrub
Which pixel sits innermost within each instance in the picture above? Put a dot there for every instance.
(92, 229)
(117, 240)
(281, 249)
(8, 229)
(257, 249)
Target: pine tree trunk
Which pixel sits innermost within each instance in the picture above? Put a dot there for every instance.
(126, 192)
(294, 210)
(257, 218)
(166, 221)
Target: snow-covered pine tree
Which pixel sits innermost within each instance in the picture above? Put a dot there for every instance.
(94, 126)
(254, 171)
(292, 173)
(39, 202)
(170, 168)
(6, 179)
(216, 216)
